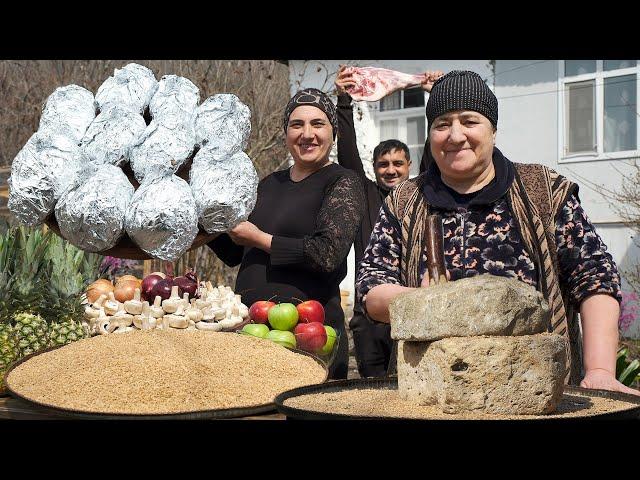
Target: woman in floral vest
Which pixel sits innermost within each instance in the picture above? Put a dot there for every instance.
(522, 221)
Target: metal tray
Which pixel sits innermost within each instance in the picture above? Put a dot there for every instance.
(633, 412)
(197, 415)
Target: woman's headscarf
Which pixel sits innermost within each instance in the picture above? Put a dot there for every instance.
(315, 98)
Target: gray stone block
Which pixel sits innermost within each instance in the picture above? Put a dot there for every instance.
(481, 305)
(504, 375)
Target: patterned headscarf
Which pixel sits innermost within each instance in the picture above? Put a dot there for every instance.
(316, 98)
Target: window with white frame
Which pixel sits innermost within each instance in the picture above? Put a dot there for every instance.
(401, 116)
(598, 109)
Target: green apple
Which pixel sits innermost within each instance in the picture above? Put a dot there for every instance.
(283, 316)
(255, 329)
(282, 337)
(331, 340)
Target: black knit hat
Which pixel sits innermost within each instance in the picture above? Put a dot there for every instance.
(315, 98)
(461, 90)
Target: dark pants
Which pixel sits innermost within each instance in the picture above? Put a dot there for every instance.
(334, 316)
(373, 344)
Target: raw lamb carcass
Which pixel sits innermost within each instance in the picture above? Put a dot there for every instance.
(374, 83)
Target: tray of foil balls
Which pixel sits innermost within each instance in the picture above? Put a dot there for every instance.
(142, 169)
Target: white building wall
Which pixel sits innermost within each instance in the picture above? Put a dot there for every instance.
(529, 132)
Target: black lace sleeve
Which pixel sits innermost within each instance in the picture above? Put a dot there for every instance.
(336, 226)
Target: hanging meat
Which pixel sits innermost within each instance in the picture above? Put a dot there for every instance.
(374, 83)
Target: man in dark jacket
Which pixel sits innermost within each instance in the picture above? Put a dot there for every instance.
(391, 164)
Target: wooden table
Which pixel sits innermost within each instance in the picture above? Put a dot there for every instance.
(14, 409)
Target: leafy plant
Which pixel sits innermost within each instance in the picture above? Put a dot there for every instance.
(627, 371)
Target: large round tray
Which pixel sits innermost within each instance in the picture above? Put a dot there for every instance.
(126, 248)
(198, 415)
(633, 412)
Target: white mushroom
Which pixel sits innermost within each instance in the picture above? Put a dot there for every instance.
(208, 315)
(134, 307)
(185, 300)
(243, 310)
(102, 323)
(93, 310)
(193, 313)
(99, 302)
(171, 304)
(213, 326)
(146, 323)
(178, 320)
(227, 323)
(90, 312)
(124, 329)
(202, 304)
(111, 305)
(137, 319)
(156, 310)
(122, 319)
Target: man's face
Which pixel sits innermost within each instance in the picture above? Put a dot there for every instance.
(391, 168)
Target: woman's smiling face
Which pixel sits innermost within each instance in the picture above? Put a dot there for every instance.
(462, 143)
(309, 136)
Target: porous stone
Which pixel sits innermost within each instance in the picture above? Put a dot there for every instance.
(480, 305)
(505, 375)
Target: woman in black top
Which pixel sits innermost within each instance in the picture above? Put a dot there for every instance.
(298, 236)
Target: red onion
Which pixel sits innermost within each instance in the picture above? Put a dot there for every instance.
(147, 285)
(187, 283)
(162, 288)
(191, 275)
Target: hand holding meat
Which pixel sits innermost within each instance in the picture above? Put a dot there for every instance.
(375, 83)
(344, 80)
(429, 79)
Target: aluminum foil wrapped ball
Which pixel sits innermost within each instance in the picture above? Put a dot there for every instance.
(91, 213)
(110, 137)
(43, 169)
(134, 85)
(223, 123)
(70, 109)
(225, 188)
(175, 100)
(162, 218)
(161, 148)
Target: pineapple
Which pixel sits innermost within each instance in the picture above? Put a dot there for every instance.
(26, 290)
(42, 278)
(32, 333)
(9, 351)
(71, 270)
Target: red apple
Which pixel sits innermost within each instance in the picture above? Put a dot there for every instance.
(259, 311)
(310, 337)
(310, 311)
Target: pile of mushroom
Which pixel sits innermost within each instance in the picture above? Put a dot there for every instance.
(217, 308)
